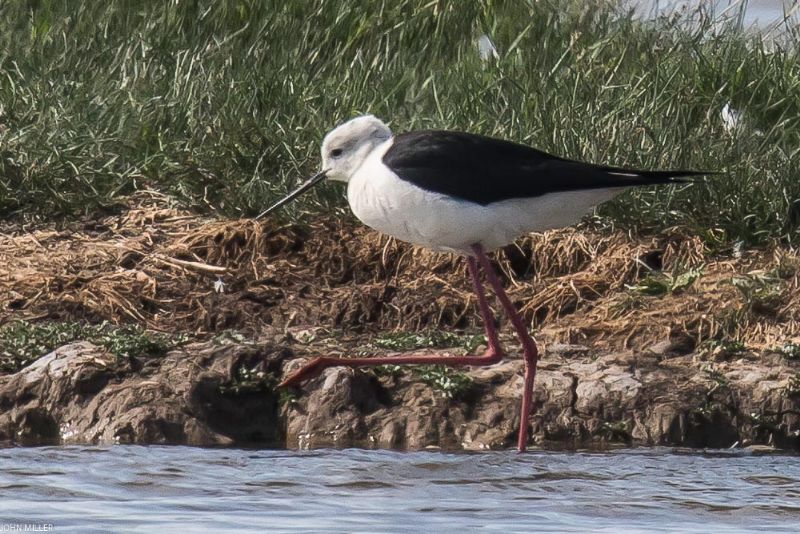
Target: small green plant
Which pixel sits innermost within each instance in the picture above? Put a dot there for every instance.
(762, 292)
(286, 397)
(128, 341)
(388, 370)
(615, 431)
(403, 341)
(453, 384)
(658, 284)
(227, 337)
(22, 342)
(726, 347)
(790, 351)
(793, 387)
(719, 380)
(246, 380)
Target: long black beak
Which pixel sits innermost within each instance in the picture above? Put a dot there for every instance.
(305, 186)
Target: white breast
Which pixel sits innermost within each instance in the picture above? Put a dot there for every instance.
(381, 200)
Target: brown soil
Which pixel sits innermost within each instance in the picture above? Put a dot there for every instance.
(157, 265)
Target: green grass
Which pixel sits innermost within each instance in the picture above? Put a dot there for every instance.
(658, 284)
(403, 341)
(22, 342)
(223, 103)
(451, 383)
(762, 293)
(246, 381)
(790, 351)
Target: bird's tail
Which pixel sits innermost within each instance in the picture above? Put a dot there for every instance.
(637, 177)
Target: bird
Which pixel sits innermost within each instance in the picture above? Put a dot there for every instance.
(467, 194)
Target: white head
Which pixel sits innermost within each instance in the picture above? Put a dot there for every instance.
(346, 147)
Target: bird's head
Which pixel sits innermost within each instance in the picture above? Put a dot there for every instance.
(346, 147)
(344, 150)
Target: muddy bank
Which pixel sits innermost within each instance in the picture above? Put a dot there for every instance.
(653, 340)
(224, 394)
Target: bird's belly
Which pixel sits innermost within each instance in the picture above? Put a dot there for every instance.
(409, 213)
(433, 220)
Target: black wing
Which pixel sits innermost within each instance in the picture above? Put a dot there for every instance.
(485, 170)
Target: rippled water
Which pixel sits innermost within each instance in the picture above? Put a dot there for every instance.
(184, 489)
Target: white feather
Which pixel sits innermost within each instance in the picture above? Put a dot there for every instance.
(383, 201)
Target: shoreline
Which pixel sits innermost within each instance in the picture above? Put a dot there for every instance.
(193, 321)
(211, 394)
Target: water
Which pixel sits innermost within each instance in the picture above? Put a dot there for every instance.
(185, 489)
(763, 14)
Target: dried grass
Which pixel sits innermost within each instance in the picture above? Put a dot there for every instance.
(158, 266)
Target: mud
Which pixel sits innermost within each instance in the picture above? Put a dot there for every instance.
(224, 394)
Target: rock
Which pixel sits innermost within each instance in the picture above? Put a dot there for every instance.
(207, 394)
(566, 350)
(674, 346)
(579, 401)
(662, 348)
(80, 393)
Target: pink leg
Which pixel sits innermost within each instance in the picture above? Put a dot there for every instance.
(493, 354)
(529, 350)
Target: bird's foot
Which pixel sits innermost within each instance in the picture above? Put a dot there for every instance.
(307, 371)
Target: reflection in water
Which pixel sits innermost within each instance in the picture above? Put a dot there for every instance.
(151, 489)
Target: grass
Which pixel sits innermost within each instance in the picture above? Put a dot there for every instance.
(762, 292)
(247, 381)
(790, 351)
(719, 379)
(658, 284)
(22, 342)
(403, 341)
(222, 104)
(452, 384)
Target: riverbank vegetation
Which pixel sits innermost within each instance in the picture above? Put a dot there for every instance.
(181, 276)
(222, 105)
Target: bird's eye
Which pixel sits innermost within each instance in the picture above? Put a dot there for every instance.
(336, 152)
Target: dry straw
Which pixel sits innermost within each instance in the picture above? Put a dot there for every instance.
(160, 266)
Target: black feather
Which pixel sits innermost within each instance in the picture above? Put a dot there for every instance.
(485, 170)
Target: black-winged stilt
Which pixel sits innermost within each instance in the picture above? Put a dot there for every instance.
(462, 193)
